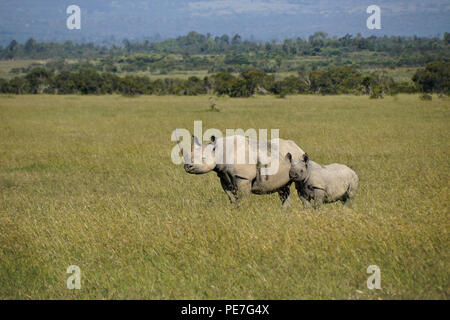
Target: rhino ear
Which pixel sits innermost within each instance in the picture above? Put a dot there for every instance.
(306, 159)
(289, 157)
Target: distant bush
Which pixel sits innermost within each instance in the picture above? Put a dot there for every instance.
(434, 78)
(251, 81)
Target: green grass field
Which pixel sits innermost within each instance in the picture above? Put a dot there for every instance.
(88, 181)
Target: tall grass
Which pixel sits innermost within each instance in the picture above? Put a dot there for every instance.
(88, 181)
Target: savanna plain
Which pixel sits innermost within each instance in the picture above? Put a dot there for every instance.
(89, 181)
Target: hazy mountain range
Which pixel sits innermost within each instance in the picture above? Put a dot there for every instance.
(112, 21)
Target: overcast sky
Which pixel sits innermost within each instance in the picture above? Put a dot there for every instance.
(260, 19)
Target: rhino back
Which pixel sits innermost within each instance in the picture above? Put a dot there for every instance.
(291, 147)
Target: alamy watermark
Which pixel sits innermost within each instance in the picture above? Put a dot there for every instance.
(374, 281)
(374, 21)
(235, 147)
(74, 20)
(74, 281)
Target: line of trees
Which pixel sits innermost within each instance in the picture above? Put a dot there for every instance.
(435, 77)
(164, 63)
(194, 43)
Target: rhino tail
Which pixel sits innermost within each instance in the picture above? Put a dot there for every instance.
(352, 187)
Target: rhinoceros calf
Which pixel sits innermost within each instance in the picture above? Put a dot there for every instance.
(323, 184)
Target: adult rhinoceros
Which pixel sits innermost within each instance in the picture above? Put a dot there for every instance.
(241, 178)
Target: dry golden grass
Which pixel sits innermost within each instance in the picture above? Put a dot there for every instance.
(88, 181)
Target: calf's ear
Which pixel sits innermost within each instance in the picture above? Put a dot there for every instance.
(306, 159)
(289, 157)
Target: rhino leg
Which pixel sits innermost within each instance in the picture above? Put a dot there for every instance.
(284, 194)
(228, 188)
(303, 196)
(319, 197)
(305, 201)
(243, 188)
(348, 202)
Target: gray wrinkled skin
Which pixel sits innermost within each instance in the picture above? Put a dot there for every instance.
(323, 184)
(239, 180)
